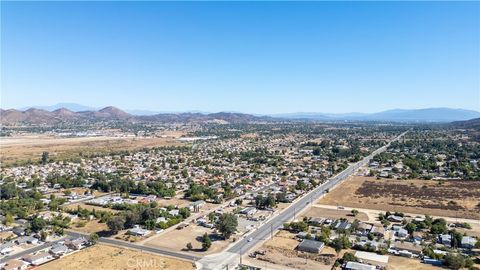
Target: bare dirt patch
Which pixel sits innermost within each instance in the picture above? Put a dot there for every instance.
(108, 257)
(447, 198)
(334, 214)
(191, 234)
(89, 207)
(92, 226)
(401, 263)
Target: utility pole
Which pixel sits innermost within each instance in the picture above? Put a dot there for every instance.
(240, 257)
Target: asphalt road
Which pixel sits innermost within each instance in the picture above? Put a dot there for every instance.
(265, 231)
(125, 244)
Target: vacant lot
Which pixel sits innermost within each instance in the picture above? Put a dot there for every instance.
(89, 207)
(317, 212)
(401, 263)
(447, 198)
(31, 147)
(191, 234)
(92, 226)
(108, 257)
(281, 251)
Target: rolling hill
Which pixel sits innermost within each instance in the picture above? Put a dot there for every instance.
(34, 116)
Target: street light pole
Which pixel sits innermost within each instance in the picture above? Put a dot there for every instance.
(240, 256)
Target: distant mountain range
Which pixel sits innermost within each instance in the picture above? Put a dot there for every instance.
(109, 114)
(397, 115)
(75, 113)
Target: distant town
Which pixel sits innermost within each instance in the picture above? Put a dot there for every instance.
(239, 192)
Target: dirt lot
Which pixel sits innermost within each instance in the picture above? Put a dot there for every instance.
(173, 201)
(401, 263)
(191, 234)
(281, 251)
(90, 207)
(333, 214)
(108, 257)
(31, 147)
(450, 198)
(92, 226)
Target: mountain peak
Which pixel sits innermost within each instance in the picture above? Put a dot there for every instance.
(63, 111)
(114, 112)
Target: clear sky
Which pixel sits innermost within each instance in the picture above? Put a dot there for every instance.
(255, 57)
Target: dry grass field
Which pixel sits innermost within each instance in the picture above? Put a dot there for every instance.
(89, 207)
(104, 257)
(449, 198)
(402, 263)
(92, 226)
(191, 234)
(333, 214)
(23, 148)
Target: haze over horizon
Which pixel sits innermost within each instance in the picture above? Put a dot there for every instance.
(329, 57)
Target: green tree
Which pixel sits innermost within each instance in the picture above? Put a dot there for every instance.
(454, 261)
(8, 219)
(354, 212)
(349, 257)
(227, 224)
(411, 227)
(93, 237)
(45, 157)
(116, 223)
(38, 224)
(43, 235)
(206, 242)
(189, 246)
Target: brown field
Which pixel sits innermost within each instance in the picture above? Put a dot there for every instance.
(450, 198)
(24, 148)
(333, 214)
(109, 258)
(92, 226)
(191, 234)
(401, 263)
(281, 252)
(89, 207)
(173, 201)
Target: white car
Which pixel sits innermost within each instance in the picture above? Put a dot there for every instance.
(250, 239)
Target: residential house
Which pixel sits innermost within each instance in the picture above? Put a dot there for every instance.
(38, 258)
(310, 246)
(6, 248)
(26, 239)
(58, 249)
(76, 244)
(468, 242)
(394, 218)
(445, 239)
(358, 266)
(372, 258)
(138, 231)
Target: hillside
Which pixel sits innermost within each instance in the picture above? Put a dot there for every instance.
(35, 116)
(468, 124)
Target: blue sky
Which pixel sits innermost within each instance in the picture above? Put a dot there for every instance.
(255, 57)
